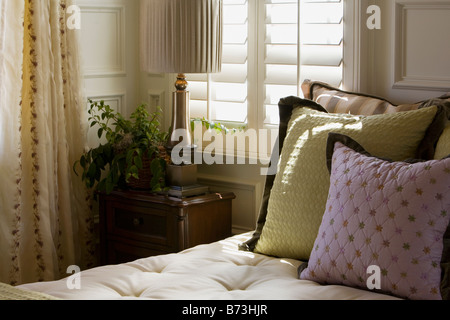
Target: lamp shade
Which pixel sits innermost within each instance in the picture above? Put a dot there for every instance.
(181, 36)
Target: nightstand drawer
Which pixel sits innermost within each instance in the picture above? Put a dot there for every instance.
(145, 224)
(141, 223)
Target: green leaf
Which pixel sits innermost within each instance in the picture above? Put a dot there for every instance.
(100, 163)
(74, 167)
(155, 166)
(92, 170)
(83, 161)
(138, 162)
(134, 171)
(129, 158)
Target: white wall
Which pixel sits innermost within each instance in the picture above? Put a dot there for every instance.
(109, 51)
(405, 61)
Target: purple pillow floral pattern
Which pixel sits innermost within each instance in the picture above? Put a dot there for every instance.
(390, 216)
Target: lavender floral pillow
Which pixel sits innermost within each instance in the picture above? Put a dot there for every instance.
(383, 225)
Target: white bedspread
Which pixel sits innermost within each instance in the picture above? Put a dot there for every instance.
(217, 271)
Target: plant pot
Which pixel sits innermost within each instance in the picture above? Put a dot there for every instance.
(182, 175)
(145, 176)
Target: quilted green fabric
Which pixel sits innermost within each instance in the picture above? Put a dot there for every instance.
(300, 189)
(443, 145)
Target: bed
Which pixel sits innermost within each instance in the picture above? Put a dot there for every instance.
(357, 210)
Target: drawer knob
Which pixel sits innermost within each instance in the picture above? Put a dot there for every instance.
(137, 222)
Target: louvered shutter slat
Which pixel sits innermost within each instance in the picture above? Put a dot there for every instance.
(285, 54)
(321, 55)
(234, 53)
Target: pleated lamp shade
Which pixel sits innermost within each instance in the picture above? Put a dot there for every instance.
(181, 36)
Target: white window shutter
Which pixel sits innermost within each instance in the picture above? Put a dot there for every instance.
(297, 40)
(223, 96)
(280, 48)
(303, 40)
(321, 40)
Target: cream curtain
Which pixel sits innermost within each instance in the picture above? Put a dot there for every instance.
(45, 214)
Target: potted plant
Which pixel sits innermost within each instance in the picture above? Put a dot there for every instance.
(133, 155)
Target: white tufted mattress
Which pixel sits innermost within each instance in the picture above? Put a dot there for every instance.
(217, 271)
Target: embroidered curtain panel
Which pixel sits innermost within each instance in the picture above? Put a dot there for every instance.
(46, 223)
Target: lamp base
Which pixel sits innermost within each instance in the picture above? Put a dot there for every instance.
(181, 176)
(180, 134)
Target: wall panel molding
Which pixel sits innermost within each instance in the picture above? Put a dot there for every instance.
(116, 100)
(421, 53)
(156, 98)
(246, 204)
(103, 36)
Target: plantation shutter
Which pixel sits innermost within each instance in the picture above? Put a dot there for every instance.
(321, 40)
(296, 40)
(223, 96)
(281, 54)
(303, 40)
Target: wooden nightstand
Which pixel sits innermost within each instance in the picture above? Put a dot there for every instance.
(136, 224)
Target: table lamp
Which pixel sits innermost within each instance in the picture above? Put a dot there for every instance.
(181, 36)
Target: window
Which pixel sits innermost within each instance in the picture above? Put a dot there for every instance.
(224, 96)
(270, 48)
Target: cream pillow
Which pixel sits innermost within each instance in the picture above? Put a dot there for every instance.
(300, 189)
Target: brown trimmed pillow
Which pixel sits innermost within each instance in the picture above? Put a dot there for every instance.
(335, 100)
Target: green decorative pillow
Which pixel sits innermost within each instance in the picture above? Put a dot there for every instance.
(299, 192)
(443, 145)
